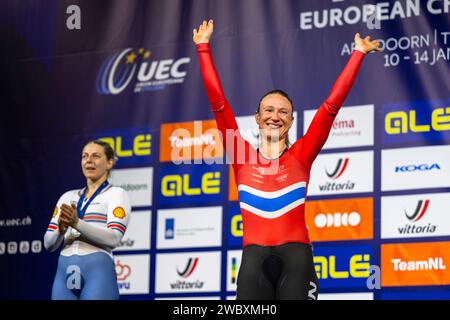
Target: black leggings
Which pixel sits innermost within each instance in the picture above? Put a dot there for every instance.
(283, 272)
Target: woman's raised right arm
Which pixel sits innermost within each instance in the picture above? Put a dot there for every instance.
(238, 148)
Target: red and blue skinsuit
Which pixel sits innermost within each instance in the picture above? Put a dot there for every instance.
(272, 203)
(277, 259)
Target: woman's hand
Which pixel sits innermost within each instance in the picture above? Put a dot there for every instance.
(204, 33)
(366, 45)
(69, 216)
(62, 227)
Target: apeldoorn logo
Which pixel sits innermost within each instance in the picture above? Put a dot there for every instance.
(169, 232)
(133, 272)
(128, 65)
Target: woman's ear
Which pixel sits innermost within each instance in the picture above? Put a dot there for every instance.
(257, 117)
(110, 164)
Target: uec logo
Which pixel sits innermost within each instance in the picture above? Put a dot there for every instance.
(118, 71)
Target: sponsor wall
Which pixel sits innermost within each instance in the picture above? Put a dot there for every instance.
(378, 200)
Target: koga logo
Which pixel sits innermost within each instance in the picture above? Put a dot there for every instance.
(433, 263)
(141, 145)
(179, 185)
(415, 167)
(335, 174)
(123, 272)
(186, 272)
(359, 266)
(402, 122)
(418, 214)
(119, 70)
(337, 219)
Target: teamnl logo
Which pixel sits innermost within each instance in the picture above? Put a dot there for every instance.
(414, 217)
(129, 65)
(185, 273)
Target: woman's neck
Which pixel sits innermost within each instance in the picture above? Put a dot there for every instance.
(92, 185)
(272, 150)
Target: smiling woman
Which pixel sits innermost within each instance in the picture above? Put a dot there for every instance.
(277, 260)
(89, 230)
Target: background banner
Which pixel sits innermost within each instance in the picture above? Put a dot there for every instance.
(130, 75)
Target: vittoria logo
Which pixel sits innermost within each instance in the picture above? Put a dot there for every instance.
(190, 267)
(120, 69)
(337, 172)
(415, 216)
(187, 271)
(339, 169)
(421, 208)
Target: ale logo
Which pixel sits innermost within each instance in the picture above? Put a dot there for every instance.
(339, 169)
(120, 69)
(189, 269)
(421, 208)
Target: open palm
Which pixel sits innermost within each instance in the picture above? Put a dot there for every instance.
(366, 45)
(204, 33)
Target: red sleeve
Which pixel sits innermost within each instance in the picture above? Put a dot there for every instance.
(308, 147)
(237, 148)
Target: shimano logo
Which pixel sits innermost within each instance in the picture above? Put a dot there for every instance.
(420, 167)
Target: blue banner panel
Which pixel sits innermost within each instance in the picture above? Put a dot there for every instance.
(416, 295)
(197, 183)
(235, 226)
(343, 267)
(133, 146)
(418, 121)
